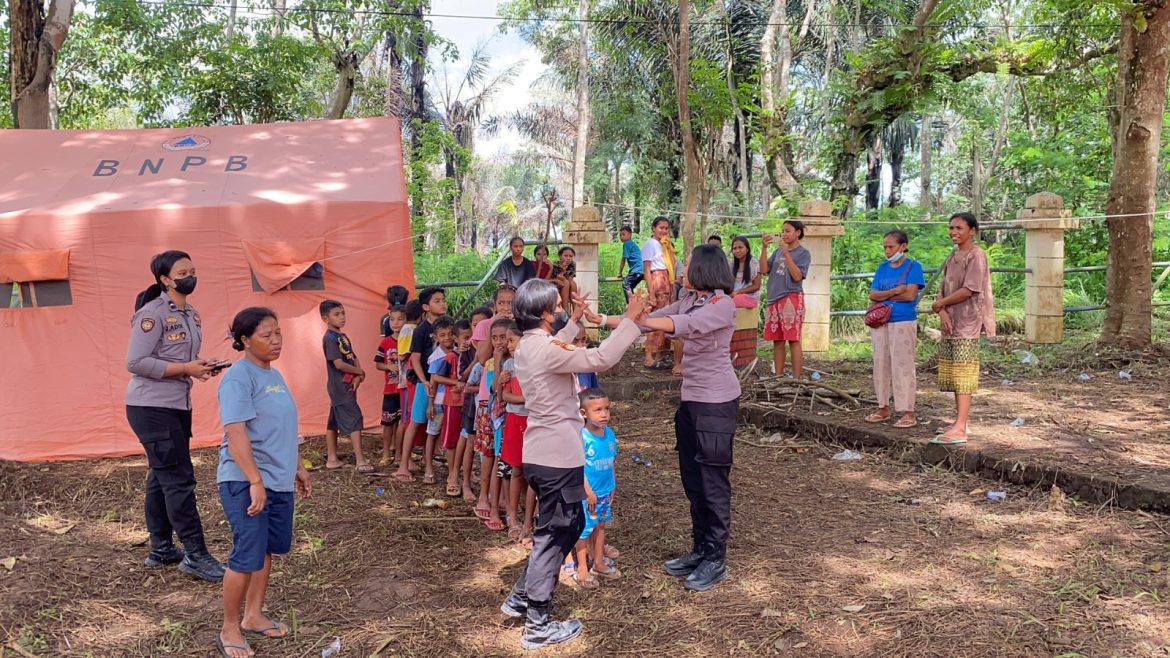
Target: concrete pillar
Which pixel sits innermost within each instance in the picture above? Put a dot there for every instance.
(820, 227)
(1045, 220)
(584, 232)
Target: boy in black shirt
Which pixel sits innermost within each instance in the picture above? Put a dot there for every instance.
(422, 343)
(344, 376)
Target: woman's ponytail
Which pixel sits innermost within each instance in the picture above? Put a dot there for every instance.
(147, 295)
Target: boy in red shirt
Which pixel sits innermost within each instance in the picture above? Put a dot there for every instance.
(386, 359)
(449, 432)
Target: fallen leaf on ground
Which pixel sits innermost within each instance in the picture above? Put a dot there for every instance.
(8, 563)
(771, 612)
(854, 608)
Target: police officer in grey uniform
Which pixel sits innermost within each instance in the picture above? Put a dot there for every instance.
(163, 358)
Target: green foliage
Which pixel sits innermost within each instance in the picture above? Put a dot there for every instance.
(434, 195)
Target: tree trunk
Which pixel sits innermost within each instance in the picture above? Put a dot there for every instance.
(418, 77)
(682, 82)
(774, 88)
(393, 102)
(637, 209)
(896, 153)
(976, 190)
(35, 41)
(230, 32)
(582, 143)
(926, 149)
(1140, 99)
(346, 65)
(873, 175)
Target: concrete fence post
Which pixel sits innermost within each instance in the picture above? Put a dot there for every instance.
(820, 227)
(585, 231)
(1045, 219)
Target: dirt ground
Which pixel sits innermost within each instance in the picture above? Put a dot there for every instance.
(1073, 409)
(868, 558)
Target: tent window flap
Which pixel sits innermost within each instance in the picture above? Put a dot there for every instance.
(287, 264)
(34, 265)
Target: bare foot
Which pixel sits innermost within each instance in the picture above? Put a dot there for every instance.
(469, 495)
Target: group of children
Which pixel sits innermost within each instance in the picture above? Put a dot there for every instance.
(451, 384)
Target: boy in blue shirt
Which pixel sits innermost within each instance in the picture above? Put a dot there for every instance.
(631, 256)
(600, 454)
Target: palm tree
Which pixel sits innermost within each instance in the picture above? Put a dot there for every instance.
(461, 109)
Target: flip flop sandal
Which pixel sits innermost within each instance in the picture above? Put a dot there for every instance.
(611, 574)
(403, 477)
(904, 424)
(223, 647)
(264, 632)
(569, 569)
(365, 468)
(942, 440)
(334, 467)
(428, 479)
(514, 533)
(454, 490)
(483, 513)
(494, 526)
(611, 552)
(876, 418)
(588, 583)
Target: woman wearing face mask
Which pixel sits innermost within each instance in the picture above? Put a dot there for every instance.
(896, 284)
(163, 359)
(554, 458)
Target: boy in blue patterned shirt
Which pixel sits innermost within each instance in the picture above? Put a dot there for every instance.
(600, 454)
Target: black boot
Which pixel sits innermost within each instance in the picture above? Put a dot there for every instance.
(515, 606)
(200, 564)
(710, 572)
(683, 566)
(163, 554)
(540, 631)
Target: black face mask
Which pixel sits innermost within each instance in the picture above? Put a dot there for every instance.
(185, 285)
(560, 320)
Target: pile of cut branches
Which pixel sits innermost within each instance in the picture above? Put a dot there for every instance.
(774, 393)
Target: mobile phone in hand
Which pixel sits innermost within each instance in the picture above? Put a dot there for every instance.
(217, 366)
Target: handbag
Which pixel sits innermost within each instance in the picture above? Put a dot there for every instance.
(879, 313)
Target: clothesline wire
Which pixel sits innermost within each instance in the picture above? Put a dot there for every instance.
(943, 222)
(268, 11)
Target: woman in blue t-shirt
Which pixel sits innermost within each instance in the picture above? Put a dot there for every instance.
(895, 343)
(259, 468)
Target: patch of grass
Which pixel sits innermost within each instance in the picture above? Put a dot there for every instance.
(175, 635)
(31, 640)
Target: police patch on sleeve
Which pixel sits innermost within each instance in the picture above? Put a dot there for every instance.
(146, 325)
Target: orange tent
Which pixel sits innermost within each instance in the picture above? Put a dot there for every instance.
(281, 215)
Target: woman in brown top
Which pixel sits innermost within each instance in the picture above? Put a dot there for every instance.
(966, 310)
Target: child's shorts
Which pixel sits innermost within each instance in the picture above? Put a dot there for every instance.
(504, 469)
(468, 417)
(345, 418)
(483, 430)
(497, 437)
(603, 513)
(418, 407)
(512, 450)
(452, 421)
(253, 537)
(391, 408)
(435, 425)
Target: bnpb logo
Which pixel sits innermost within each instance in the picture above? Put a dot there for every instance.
(187, 143)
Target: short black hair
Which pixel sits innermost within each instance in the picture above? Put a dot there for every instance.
(462, 324)
(443, 322)
(508, 324)
(797, 226)
(715, 236)
(708, 269)
(898, 235)
(592, 393)
(657, 219)
(397, 295)
(535, 298)
(514, 239)
(539, 247)
(414, 310)
(425, 296)
(481, 310)
(966, 217)
(562, 250)
(328, 305)
(245, 323)
(626, 228)
(397, 309)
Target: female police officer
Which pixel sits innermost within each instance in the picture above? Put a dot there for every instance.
(165, 337)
